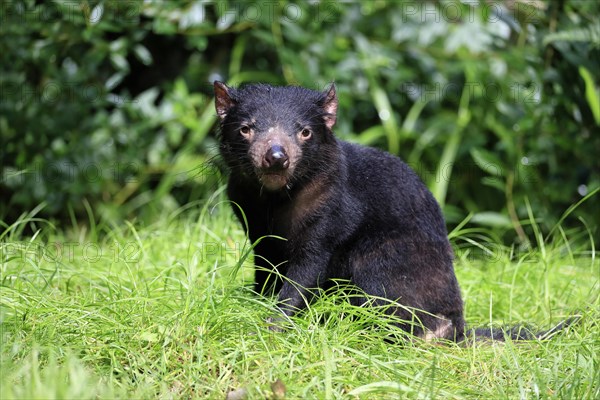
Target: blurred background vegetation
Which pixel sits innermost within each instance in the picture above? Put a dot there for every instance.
(106, 106)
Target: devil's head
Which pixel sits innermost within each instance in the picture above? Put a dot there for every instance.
(275, 136)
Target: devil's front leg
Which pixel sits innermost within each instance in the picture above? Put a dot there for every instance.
(307, 270)
(271, 265)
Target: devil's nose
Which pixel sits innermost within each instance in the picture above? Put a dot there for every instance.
(276, 158)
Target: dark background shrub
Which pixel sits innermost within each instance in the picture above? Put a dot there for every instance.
(106, 106)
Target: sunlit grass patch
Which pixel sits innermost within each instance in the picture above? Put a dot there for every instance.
(167, 311)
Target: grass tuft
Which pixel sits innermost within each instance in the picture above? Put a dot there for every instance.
(167, 311)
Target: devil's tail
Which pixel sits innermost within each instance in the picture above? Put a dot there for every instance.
(520, 332)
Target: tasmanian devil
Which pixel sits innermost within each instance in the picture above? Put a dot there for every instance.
(346, 211)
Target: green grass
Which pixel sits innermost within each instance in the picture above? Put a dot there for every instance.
(166, 311)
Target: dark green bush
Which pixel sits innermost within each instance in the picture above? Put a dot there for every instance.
(108, 103)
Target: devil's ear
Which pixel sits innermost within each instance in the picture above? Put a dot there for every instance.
(223, 100)
(330, 106)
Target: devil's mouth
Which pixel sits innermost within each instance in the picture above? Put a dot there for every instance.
(273, 180)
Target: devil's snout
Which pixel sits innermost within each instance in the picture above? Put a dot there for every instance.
(276, 158)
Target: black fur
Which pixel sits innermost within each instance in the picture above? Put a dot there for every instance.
(347, 211)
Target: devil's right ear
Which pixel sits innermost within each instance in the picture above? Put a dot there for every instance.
(330, 105)
(223, 100)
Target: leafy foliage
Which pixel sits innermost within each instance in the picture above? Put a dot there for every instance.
(108, 103)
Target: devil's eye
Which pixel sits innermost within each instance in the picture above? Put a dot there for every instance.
(245, 131)
(305, 133)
